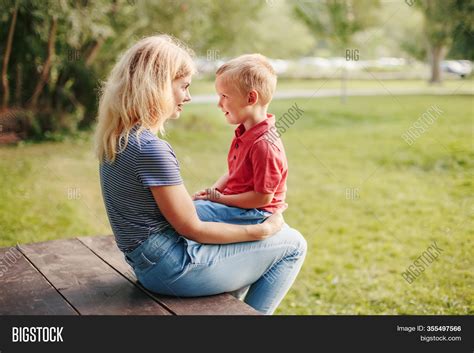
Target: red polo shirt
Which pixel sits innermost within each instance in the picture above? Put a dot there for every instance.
(258, 163)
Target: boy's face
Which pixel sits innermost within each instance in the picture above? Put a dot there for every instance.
(231, 101)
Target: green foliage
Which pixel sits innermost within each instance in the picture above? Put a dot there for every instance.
(66, 97)
(440, 18)
(463, 38)
(203, 24)
(463, 44)
(337, 20)
(276, 32)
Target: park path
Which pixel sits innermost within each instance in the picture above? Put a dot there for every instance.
(353, 92)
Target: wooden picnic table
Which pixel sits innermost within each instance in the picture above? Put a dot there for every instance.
(89, 276)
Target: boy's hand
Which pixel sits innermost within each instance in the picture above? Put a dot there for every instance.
(210, 194)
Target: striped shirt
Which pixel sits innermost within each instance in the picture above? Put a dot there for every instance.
(132, 211)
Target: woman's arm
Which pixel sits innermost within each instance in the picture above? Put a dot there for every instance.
(176, 205)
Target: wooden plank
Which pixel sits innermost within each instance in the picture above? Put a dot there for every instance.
(24, 291)
(222, 304)
(87, 282)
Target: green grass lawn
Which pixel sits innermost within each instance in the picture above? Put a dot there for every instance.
(367, 203)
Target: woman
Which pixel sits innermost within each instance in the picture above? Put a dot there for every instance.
(152, 215)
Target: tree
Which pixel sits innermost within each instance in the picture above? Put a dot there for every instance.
(46, 67)
(6, 58)
(338, 21)
(277, 33)
(463, 37)
(442, 18)
(204, 24)
(44, 74)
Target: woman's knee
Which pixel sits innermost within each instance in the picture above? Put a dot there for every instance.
(300, 244)
(296, 243)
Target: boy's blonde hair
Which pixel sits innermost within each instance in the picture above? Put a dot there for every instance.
(139, 91)
(251, 72)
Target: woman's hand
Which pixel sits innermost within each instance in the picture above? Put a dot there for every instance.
(272, 225)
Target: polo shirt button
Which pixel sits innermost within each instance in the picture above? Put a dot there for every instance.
(236, 145)
(234, 157)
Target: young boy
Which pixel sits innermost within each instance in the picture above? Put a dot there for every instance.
(255, 185)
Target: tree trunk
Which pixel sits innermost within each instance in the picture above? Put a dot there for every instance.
(46, 66)
(344, 75)
(18, 84)
(437, 55)
(92, 53)
(6, 58)
(94, 50)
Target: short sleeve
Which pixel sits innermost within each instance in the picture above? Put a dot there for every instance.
(268, 166)
(157, 165)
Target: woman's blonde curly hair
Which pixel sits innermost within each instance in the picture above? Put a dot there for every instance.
(139, 92)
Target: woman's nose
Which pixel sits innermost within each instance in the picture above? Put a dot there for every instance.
(187, 98)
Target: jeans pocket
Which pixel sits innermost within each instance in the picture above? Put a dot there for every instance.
(142, 262)
(157, 246)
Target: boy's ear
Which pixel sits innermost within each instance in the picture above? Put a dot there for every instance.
(252, 97)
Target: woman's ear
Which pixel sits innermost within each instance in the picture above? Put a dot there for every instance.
(252, 97)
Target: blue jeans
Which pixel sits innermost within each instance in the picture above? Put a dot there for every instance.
(209, 211)
(169, 264)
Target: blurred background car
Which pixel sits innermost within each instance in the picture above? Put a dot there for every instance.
(462, 68)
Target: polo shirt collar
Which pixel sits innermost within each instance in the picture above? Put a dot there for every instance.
(255, 131)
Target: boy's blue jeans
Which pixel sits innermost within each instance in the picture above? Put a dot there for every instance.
(209, 211)
(170, 264)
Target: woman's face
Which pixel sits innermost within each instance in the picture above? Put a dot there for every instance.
(181, 95)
